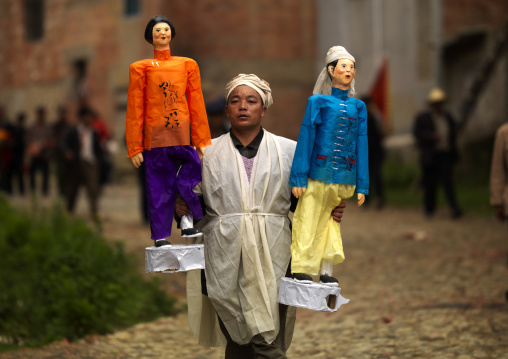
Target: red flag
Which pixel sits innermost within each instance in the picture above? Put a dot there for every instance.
(380, 92)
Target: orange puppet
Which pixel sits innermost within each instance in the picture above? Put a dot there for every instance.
(165, 111)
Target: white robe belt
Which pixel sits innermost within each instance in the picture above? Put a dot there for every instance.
(250, 214)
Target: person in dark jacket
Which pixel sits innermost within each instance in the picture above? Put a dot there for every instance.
(6, 144)
(375, 135)
(18, 153)
(435, 132)
(83, 156)
(39, 141)
(60, 128)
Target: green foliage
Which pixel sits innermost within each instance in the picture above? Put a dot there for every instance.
(402, 183)
(58, 279)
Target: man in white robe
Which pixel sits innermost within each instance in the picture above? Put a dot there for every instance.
(246, 231)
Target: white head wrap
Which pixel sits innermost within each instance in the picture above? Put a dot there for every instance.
(324, 83)
(261, 86)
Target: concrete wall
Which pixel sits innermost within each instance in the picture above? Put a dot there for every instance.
(469, 34)
(404, 32)
(427, 43)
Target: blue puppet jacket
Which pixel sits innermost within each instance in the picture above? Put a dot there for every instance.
(332, 144)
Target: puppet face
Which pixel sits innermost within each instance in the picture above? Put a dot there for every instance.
(161, 34)
(343, 74)
(245, 108)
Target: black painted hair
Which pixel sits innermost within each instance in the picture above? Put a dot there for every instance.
(154, 21)
(332, 64)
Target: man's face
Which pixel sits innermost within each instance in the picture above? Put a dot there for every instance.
(437, 106)
(344, 73)
(245, 108)
(161, 34)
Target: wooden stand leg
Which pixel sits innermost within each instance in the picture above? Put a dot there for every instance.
(331, 300)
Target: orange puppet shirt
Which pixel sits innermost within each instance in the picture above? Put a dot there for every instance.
(165, 101)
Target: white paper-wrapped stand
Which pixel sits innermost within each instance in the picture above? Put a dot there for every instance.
(174, 258)
(314, 296)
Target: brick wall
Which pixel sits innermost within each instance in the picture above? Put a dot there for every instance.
(462, 16)
(41, 73)
(275, 40)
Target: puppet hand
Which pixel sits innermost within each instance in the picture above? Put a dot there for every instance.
(137, 159)
(181, 207)
(298, 191)
(361, 199)
(201, 152)
(338, 211)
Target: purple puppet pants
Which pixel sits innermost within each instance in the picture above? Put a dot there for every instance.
(164, 181)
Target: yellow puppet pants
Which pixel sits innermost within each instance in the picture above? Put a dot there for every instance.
(316, 236)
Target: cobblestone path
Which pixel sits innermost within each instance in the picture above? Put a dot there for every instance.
(418, 288)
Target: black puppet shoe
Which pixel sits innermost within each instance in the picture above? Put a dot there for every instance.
(302, 278)
(161, 243)
(191, 232)
(328, 280)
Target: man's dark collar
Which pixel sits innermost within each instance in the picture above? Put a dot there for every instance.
(251, 149)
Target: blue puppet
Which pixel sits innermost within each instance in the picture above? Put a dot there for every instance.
(329, 166)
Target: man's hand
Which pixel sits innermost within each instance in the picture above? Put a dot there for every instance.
(361, 199)
(181, 207)
(137, 159)
(338, 211)
(298, 191)
(201, 152)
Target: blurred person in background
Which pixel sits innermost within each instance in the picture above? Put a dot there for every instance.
(83, 155)
(105, 140)
(6, 141)
(60, 128)
(18, 153)
(375, 135)
(436, 132)
(40, 142)
(217, 117)
(143, 200)
(499, 176)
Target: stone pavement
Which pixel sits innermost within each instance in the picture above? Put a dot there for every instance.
(418, 288)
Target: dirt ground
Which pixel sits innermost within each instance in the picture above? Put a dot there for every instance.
(419, 288)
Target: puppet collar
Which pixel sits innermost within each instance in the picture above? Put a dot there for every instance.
(162, 55)
(337, 92)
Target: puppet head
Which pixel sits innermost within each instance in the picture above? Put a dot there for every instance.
(342, 73)
(154, 21)
(324, 82)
